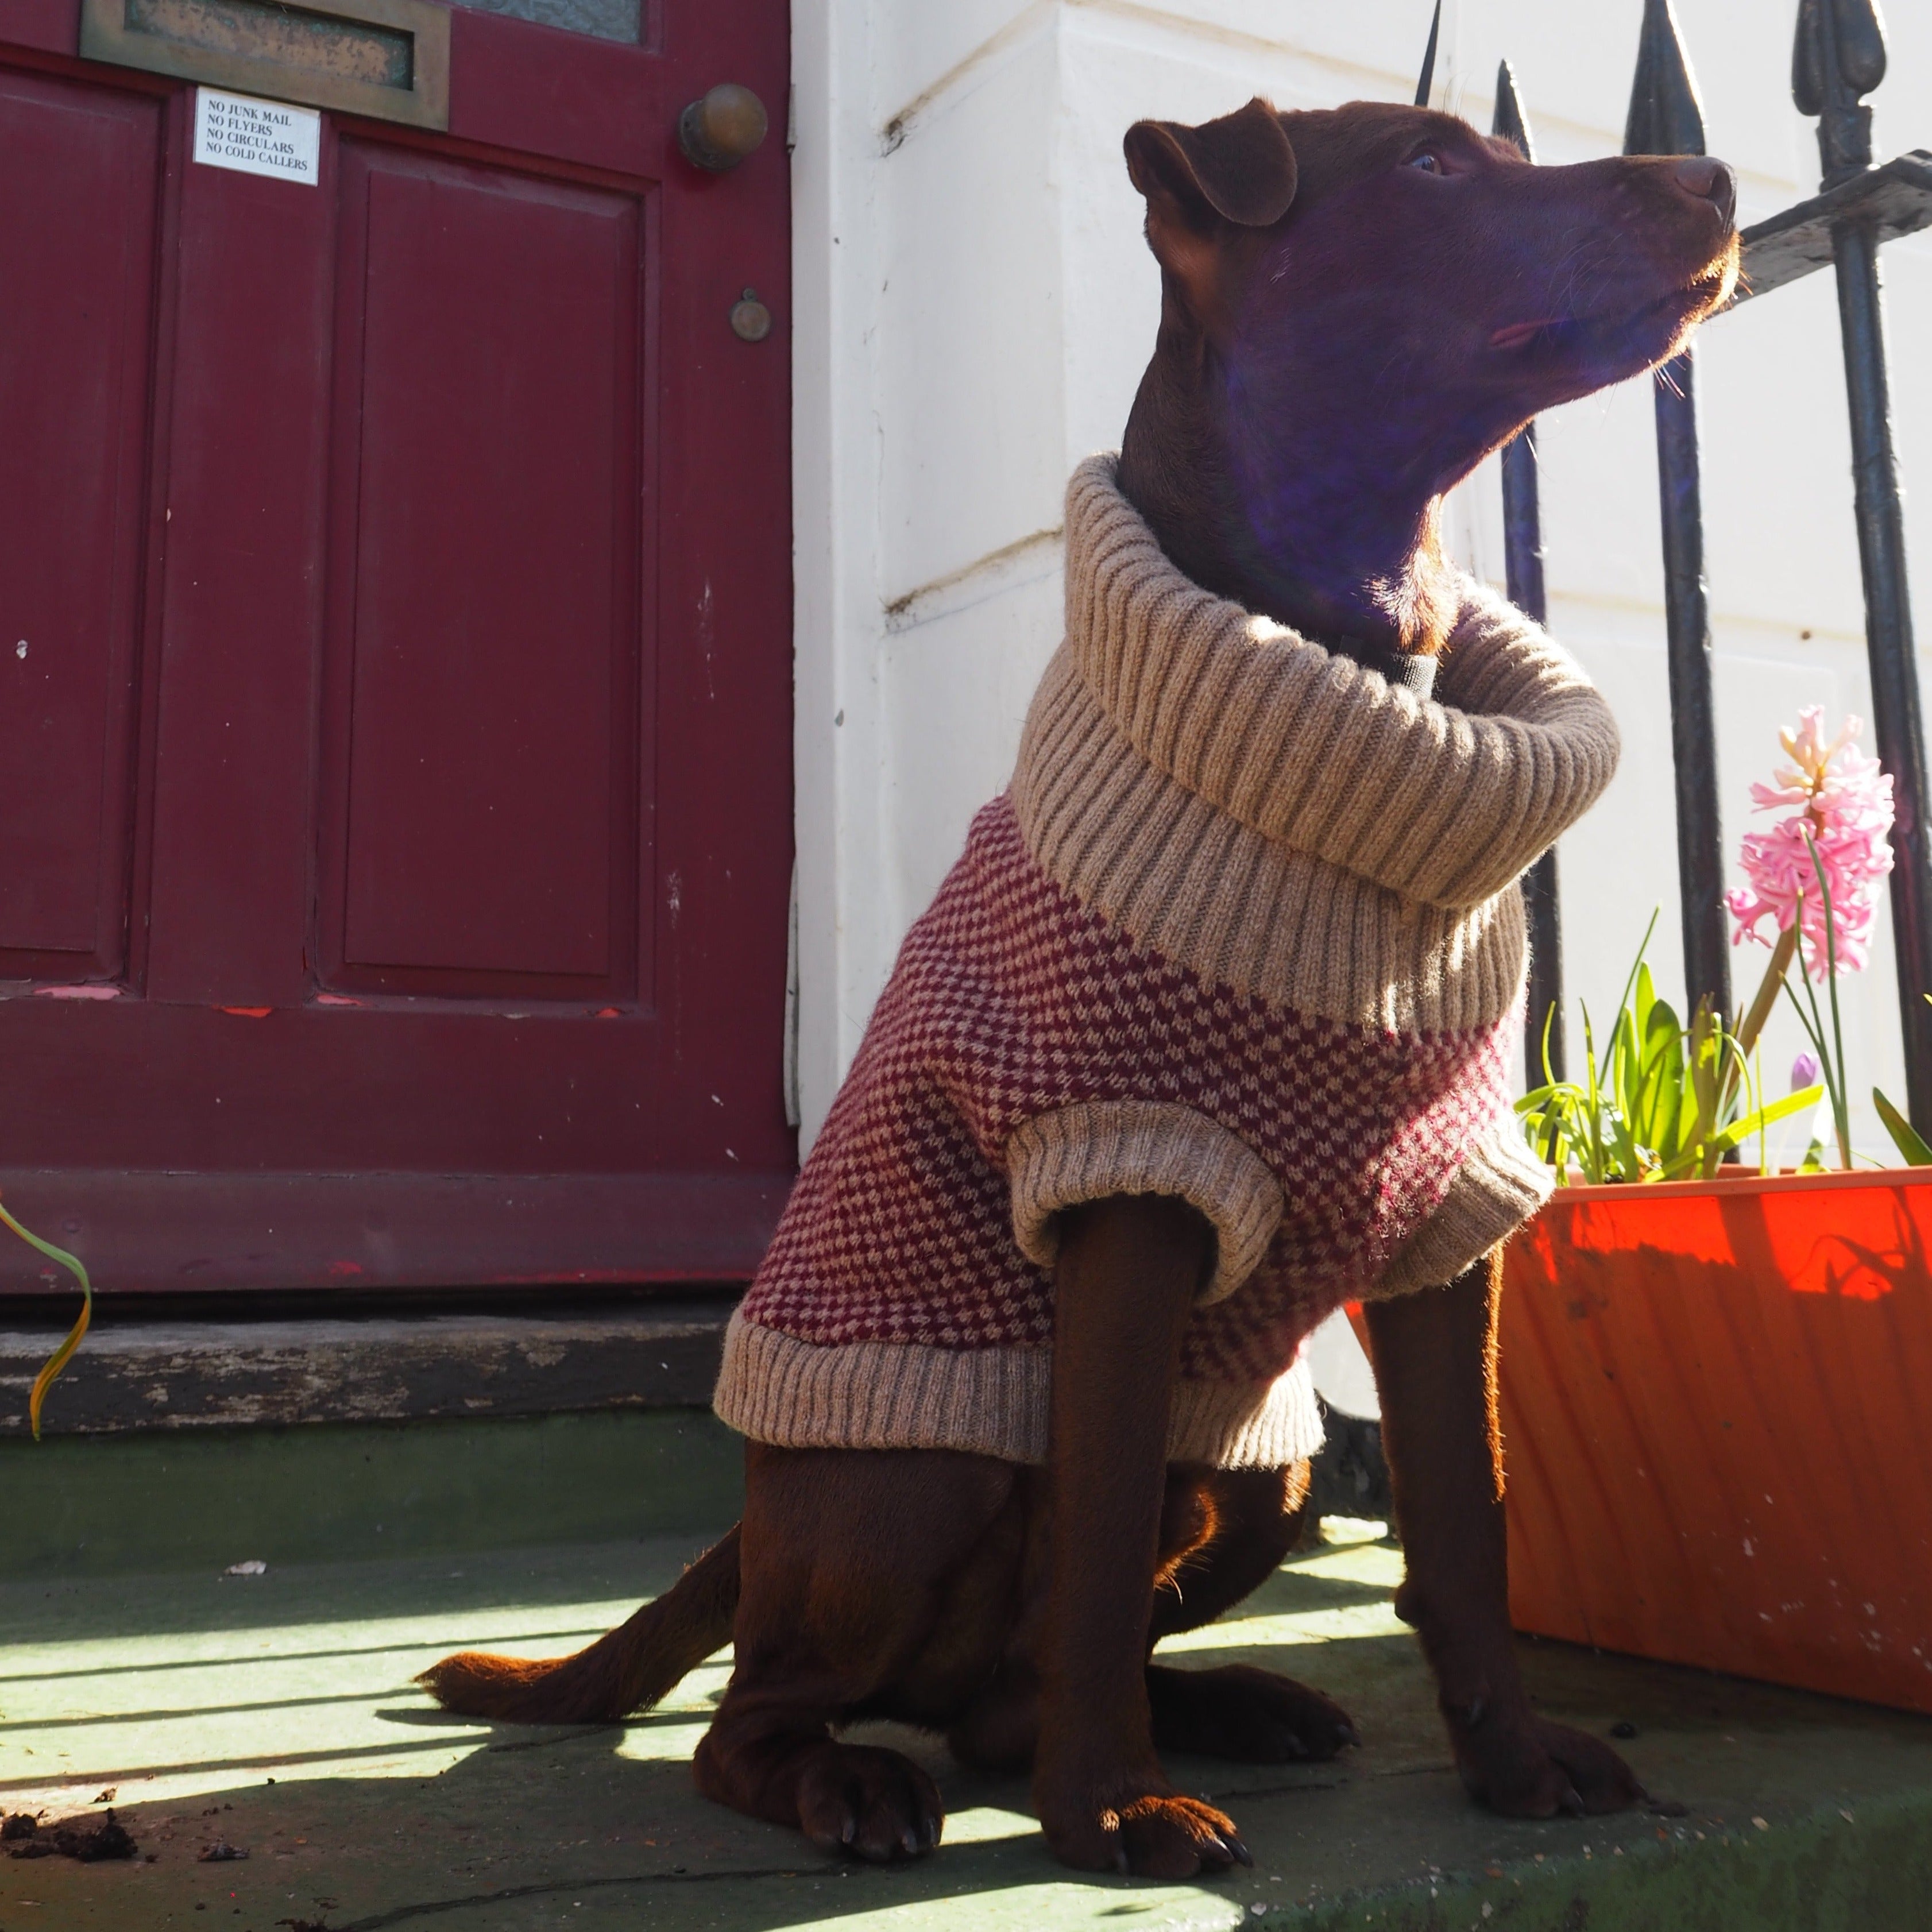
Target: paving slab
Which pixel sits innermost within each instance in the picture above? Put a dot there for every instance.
(273, 1713)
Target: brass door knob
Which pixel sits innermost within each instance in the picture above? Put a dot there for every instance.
(719, 131)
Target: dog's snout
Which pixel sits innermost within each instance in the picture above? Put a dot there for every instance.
(1711, 181)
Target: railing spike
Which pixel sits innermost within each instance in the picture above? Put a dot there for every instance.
(1857, 48)
(1428, 80)
(1509, 121)
(1837, 55)
(1807, 61)
(1665, 115)
(1859, 34)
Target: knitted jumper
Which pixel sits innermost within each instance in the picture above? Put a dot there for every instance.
(1245, 929)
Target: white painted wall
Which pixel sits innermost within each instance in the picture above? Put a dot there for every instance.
(974, 307)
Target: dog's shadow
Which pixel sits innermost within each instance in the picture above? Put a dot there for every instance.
(648, 1830)
(614, 1806)
(621, 1798)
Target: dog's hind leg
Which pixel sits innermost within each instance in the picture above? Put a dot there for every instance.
(626, 1670)
(1248, 1520)
(850, 1562)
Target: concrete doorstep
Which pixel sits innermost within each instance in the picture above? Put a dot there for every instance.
(134, 1372)
(210, 1703)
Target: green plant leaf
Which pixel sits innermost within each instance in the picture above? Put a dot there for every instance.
(1772, 1112)
(1541, 1096)
(1719, 1105)
(59, 1359)
(1628, 1164)
(1904, 1135)
(1657, 1099)
(1699, 1120)
(1739, 1131)
(1636, 1088)
(1625, 1059)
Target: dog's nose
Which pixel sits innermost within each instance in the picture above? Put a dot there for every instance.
(1713, 181)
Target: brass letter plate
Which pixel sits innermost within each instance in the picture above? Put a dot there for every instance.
(387, 59)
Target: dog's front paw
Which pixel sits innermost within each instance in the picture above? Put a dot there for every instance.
(1149, 1833)
(872, 1804)
(1534, 1769)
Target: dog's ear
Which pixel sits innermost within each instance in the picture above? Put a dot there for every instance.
(1239, 169)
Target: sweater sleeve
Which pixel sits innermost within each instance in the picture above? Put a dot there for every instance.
(1093, 1149)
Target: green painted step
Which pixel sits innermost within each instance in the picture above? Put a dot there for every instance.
(201, 1499)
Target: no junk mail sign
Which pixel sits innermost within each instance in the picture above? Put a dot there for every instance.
(258, 137)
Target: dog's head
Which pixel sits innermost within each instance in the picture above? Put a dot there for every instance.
(1381, 294)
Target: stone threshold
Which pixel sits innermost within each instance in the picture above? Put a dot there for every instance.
(132, 1373)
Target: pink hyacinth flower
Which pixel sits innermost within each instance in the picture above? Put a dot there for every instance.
(1841, 806)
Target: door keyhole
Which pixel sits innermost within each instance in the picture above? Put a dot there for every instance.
(750, 320)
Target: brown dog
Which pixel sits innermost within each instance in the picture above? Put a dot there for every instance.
(1358, 306)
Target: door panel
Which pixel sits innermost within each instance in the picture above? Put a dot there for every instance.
(490, 349)
(230, 886)
(538, 91)
(77, 231)
(456, 747)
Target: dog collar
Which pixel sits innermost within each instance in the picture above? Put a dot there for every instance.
(1410, 670)
(1415, 673)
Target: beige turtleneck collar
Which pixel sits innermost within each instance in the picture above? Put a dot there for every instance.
(1279, 818)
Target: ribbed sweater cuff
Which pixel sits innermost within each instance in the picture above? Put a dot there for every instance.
(1496, 1190)
(986, 1401)
(1100, 1148)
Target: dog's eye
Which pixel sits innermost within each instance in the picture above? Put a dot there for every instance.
(1428, 161)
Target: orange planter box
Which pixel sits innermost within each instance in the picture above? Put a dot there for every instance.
(1717, 1409)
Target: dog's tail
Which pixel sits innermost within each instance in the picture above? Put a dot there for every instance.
(624, 1670)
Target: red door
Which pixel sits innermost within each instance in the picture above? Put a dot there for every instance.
(395, 674)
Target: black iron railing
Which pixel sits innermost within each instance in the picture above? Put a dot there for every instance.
(1665, 117)
(1839, 57)
(1522, 569)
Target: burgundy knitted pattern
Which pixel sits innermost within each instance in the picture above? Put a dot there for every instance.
(1012, 999)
